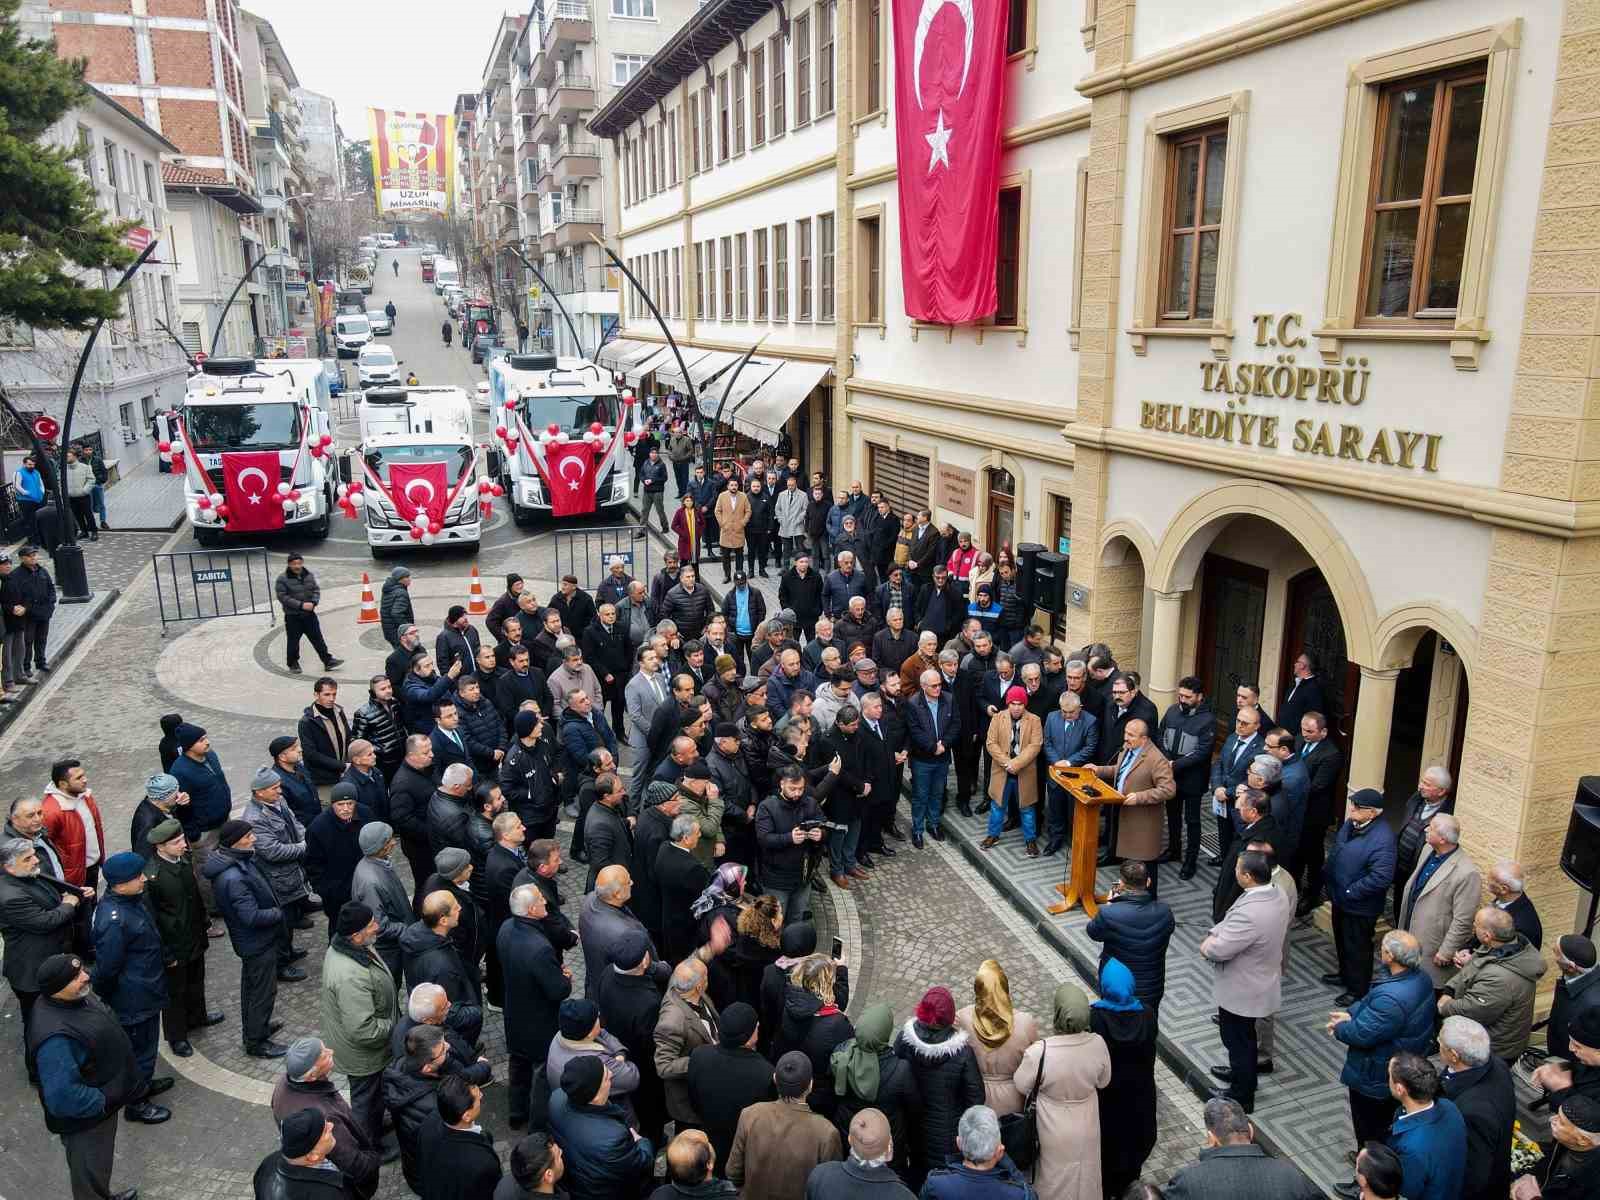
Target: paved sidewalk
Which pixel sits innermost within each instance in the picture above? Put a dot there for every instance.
(146, 500)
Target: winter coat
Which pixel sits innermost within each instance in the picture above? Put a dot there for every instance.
(431, 957)
(278, 1179)
(360, 1004)
(603, 1160)
(354, 1153)
(1396, 1014)
(448, 822)
(457, 1164)
(997, 1066)
(757, 607)
(377, 886)
(580, 735)
(372, 793)
(723, 1082)
(418, 696)
(1487, 1101)
(394, 610)
(410, 1099)
(383, 726)
(897, 1099)
(1186, 739)
(1360, 867)
(1135, 928)
(960, 1182)
(816, 1034)
(129, 969)
(837, 588)
(179, 911)
(679, 877)
(733, 514)
(527, 781)
(789, 510)
(296, 591)
(1440, 915)
(653, 476)
(299, 793)
(35, 590)
(782, 861)
(249, 907)
(691, 533)
(1076, 1065)
(1432, 1145)
(802, 594)
(777, 1145)
(679, 1032)
(325, 739)
(1241, 1172)
(67, 833)
(534, 987)
(606, 652)
(563, 681)
(689, 611)
(607, 840)
(1496, 990)
(949, 1082)
(280, 848)
(998, 744)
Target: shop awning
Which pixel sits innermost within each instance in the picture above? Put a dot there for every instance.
(704, 365)
(770, 406)
(613, 353)
(635, 369)
(756, 372)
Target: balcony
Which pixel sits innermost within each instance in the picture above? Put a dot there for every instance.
(567, 25)
(546, 128)
(570, 97)
(527, 96)
(572, 227)
(528, 147)
(576, 161)
(503, 137)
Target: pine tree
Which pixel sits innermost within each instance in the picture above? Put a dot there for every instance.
(51, 226)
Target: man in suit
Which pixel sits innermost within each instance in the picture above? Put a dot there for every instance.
(932, 727)
(1246, 947)
(1480, 1086)
(1188, 729)
(1290, 794)
(1360, 869)
(1230, 769)
(1432, 796)
(924, 541)
(1071, 738)
(1248, 695)
(1124, 703)
(1506, 885)
(1438, 898)
(1305, 693)
(1144, 777)
(1253, 808)
(1323, 760)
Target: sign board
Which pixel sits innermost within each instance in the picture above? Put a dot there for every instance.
(413, 162)
(296, 287)
(213, 575)
(954, 489)
(1077, 595)
(138, 238)
(605, 561)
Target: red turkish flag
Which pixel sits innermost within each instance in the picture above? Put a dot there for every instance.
(419, 487)
(571, 480)
(949, 92)
(250, 485)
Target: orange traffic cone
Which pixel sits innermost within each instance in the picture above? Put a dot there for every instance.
(475, 604)
(369, 606)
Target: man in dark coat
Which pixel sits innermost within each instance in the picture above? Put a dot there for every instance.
(450, 810)
(1134, 928)
(309, 1087)
(130, 976)
(430, 954)
(576, 606)
(527, 776)
(258, 929)
(629, 987)
(454, 865)
(1188, 730)
(1233, 1167)
(324, 735)
(457, 642)
(409, 792)
(481, 727)
(1259, 826)
(541, 869)
(1577, 991)
(728, 1077)
(604, 920)
(505, 605)
(458, 1155)
(800, 591)
(605, 648)
(501, 866)
(1305, 695)
(607, 833)
(380, 723)
(1359, 872)
(180, 916)
(1323, 761)
(536, 984)
(162, 800)
(333, 848)
(394, 610)
(1479, 1084)
(679, 877)
(940, 605)
(36, 919)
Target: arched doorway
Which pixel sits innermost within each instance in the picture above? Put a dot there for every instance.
(1312, 626)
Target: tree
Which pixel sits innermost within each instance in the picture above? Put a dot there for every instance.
(358, 167)
(52, 229)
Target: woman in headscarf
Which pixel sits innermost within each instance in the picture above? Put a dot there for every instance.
(868, 1074)
(814, 1024)
(722, 900)
(1075, 1066)
(999, 1036)
(948, 1080)
(1128, 1102)
(798, 941)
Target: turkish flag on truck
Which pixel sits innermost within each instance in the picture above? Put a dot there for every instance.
(949, 91)
(419, 487)
(250, 486)
(571, 481)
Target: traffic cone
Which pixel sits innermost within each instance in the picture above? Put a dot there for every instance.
(369, 606)
(475, 605)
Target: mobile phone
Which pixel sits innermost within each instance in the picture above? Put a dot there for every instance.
(838, 947)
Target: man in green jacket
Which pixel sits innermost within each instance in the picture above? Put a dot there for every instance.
(180, 913)
(359, 1008)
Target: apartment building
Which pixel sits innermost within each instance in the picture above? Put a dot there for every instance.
(319, 131)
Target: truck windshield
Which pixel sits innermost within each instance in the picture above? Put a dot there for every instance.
(215, 427)
(572, 413)
(455, 458)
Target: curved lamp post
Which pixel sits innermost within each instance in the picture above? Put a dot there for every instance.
(234, 295)
(543, 282)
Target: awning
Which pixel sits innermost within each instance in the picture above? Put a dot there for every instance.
(763, 415)
(756, 372)
(703, 365)
(615, 352)
(636, 369)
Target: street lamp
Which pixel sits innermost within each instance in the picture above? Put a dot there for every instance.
(577, 342)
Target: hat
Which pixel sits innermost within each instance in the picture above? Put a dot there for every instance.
(786, 615)
(726, 729)
(723, 662)
(454, 613)
(373, 836)
(863, 665)
(187, 735)
(343, 790)
(512, 580)
(740, 577)
(450, 860)
(1366, 798)
(302, 1056)
(400, 573)
(264, 778)
(1577, 949)
(301, 1132)
(5, 556)
(1015, 695)
(57, 971)
(629, 949)
(1583, 1026)
(793, 1075)
(937, 1008)
(738, 1023)
(232, 831)
(751, 683)
(161, 786)
(120, 868)
(1582, 1111)
(697, 770)
(354, 916)
(577, 1018)
(163, 831)
(279, 744)
(525, 721)
(581, 1078)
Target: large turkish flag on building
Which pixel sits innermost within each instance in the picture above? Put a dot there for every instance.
(571, 482)
(250, 486)
(419, 487)
(949, 92)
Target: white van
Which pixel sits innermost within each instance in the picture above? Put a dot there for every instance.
(377, 366)
(352, 332)
(445, 272)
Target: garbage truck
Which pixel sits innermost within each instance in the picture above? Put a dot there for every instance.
(417, 469)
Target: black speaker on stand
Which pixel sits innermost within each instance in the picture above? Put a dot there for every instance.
(1580, 853)
(1027, 555)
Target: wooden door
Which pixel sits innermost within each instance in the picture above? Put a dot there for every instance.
(1312, 624)
(1233, 610)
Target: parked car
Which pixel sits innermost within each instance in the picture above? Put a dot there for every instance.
(380, 321)
(484, 344)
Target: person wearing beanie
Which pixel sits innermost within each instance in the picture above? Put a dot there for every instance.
(180, 917)
(162, 800)
(299, 594)
(1359, 872)
(199, 773)
(457, 642)
(728, 1076)
(948, 1079)
(394, 608)
(333, 847)
(779, 1142)
(299, 792)
(305, 1085)
(579, 1033)
(505, 605)
(613, 588)
(722, 688)
(1577, 990)
(603, 1157)
(1572, 1169)
(303, 1166)
(375, 884)
(167, 747)
(86, 1071)
(129, 975)
(359, 1008)
(280, 843)
(258, 929)
(1015, 737)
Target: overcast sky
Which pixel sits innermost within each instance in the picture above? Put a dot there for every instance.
(410, 55)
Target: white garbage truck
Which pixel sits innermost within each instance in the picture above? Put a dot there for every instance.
(418, 469)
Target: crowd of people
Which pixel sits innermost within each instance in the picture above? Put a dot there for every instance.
(764, 752)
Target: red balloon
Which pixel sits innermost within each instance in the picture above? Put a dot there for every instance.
(316, 451)
(434, 527)
(499, 490)
(630, 400)
(164, 447)
(630, 438)
(177, 459)
(203, 502)
(552, 429)
(595, 427)
(327, 439)
(294, 494)
(416, 534)
(355, 485)
(510, 404)
(222, 511)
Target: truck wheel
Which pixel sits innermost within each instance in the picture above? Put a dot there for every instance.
(523, 517)
(322, 528)
(379, 551)
(206, 537)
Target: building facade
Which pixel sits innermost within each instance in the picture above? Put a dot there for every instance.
(1295, 349)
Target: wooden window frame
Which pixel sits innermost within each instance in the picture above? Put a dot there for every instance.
(1162, 131)
(740, 78)
(1496, 47)
(1202, 137)
(801, 25)
(673, 178)
(763, 274)
(1019, 318)
(741, 276)
(1079, 227)
(724, 118)
(1027, 48)
(826, 14)
(869, 41)
(711, 279)
(694, 133)
(805, 301)
(677, 282)
(758, 95)
(654, 159)
(780, 273)
(827, 281)
(708, 122)
(868, 259)
(699, 279)
(780, 84)
(726, 249)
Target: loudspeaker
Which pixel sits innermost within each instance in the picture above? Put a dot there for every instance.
(1050, 582)
(1580, 853)
(1027, 554)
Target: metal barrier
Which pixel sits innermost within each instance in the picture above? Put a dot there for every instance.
(198, 585)
(584, 553)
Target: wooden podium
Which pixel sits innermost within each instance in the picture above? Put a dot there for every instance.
(1088, 793)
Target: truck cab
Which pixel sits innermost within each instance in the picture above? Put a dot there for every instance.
(429, 427)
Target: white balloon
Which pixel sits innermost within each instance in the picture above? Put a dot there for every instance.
(283, 489)
(428, 539)
(342, 491)
(545, 438)
(359, 499)
(216, 498)
(288, 508)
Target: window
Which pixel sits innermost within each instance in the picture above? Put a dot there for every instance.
(706, 121)
(763, 272)
(869, 55)
(672, 149)
(779, 83)
(742, 276)
(825, 58)
(1008, 259)
(1421, 196)
(86, 151)
(677, 282)
(633, 8)
(802, 266)
(780, 273)
(1197, 165)
(700, 279)
(711, 279)
(654, 185)
(869, 276)
(1018, 31)
(1079, 227)
(900, 475)
(694, 134)
(625, 66)
(149, 183)
(825, 253)
(802, 69)
(724, 118)
(727, 279)
(758, 95)
(168, 304)
(738, 108)
(111, 166)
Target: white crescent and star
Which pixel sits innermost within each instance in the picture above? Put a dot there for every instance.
(571, 460)
(253, 497)
(939, 140)
(421, 483)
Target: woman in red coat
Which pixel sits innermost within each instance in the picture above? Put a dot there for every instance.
(686, 524)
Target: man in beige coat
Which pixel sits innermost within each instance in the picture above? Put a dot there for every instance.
(778, 1142)
(1014, 741)
(687, 1021)
(1144, 777)
(1438, 900)
(733, 514)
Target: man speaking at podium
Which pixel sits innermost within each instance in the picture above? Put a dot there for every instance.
(1144, 777)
